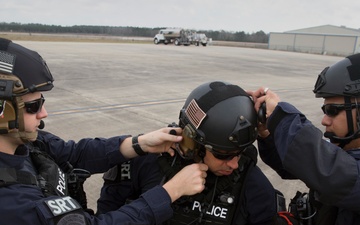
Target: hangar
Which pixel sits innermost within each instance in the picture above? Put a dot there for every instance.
(326, 39)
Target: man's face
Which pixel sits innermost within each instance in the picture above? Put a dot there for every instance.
(220, 167)
(337, 124)
(32, 118)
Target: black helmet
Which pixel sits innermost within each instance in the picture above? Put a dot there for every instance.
(220, 116)
(340, 79)
(21, 71)
(26, 65)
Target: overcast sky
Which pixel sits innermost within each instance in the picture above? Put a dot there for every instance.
(229, 15)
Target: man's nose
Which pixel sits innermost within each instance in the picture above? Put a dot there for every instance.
(233, 163)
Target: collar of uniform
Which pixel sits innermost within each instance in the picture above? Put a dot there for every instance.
(16, 160)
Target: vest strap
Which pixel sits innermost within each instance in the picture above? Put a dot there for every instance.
(9, 176)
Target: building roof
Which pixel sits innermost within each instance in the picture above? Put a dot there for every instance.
(328, 30)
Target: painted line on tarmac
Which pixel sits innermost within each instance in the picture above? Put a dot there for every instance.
(113, 107)
(139, 104)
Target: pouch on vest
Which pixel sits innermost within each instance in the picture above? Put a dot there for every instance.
(56, 179)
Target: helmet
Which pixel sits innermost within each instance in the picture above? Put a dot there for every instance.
(21, 71)
(26, 65)
(340, 79)
(219, 116)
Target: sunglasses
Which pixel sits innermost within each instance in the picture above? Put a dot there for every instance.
(225, 156)
(334, 109)
(34, 106)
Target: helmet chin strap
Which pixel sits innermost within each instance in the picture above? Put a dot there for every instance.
(342, 141)
(23, 136)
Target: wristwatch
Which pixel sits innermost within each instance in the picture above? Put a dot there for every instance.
(136, 146)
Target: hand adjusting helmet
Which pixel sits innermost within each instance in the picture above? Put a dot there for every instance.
(22, 71)
(218, 116)
(342, 79)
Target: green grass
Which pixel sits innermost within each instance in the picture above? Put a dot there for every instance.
(72, 38)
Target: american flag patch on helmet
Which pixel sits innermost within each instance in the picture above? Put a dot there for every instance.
(195, 114)
(7, 62)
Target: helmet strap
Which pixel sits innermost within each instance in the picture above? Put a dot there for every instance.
(21, 134)
(349, 117)
(201, 153)
(24, 136)
(20, 112)
(351, 135)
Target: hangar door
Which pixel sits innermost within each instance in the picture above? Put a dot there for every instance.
(312, 43)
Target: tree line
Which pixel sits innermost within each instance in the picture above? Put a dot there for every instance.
(240, 36)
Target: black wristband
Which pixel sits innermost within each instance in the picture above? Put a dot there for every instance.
(136, 146)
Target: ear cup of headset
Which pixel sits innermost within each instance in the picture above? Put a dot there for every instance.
(262, 113)
(8, 118)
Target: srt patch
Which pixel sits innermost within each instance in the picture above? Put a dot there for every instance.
(62, 205)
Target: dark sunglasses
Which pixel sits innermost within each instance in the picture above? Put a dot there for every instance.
(334, 109)
(34, 106)
(225, 156)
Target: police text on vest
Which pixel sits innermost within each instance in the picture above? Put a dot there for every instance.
(214, 210)
(61, 187)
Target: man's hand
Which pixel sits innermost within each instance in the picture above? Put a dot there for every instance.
(160, 141)
(188, 181)
(271, 99)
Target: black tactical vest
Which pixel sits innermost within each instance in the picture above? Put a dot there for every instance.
(50, 178)
(219, 203)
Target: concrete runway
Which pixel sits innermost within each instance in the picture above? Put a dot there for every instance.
(103, 89)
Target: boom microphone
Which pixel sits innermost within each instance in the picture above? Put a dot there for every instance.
(42, 125)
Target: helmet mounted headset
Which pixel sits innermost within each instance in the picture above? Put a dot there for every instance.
(22, 71)
(342, 79)
(217, 116)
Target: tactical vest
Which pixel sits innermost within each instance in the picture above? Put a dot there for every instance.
(219, 203)
(50, 178)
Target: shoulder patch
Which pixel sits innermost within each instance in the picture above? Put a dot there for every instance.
(62, 205)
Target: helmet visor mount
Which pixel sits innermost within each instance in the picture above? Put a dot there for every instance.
(242, 131)
(321, 81)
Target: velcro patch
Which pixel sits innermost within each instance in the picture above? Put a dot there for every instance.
(72, 219)
(62, 205)
(7, 62)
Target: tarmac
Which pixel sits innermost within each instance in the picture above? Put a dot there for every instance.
(109, 89)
